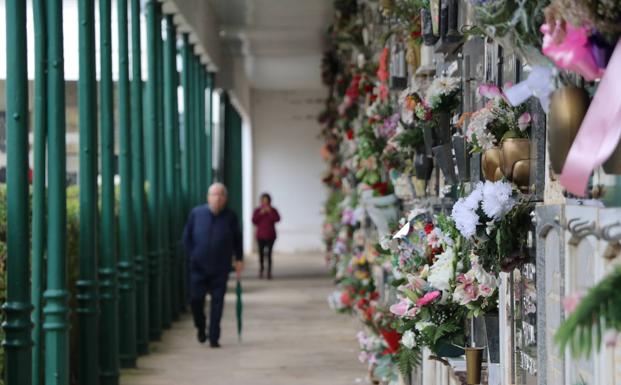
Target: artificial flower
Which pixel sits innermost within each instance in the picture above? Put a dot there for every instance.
(408, 339)
(428, 298)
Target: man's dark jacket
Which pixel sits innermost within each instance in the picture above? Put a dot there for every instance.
(211, 240)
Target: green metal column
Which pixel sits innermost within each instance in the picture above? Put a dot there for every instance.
(142, 276)
(186, 163)
(233, 156)
(56, 325)
(127, 299)
(209, 153)
(198, 199)
(17, 307)
(38, 187)
(88, 307)
(164, 203)
(202, 132)
(171, 115)
(151, 139)
(109, 327)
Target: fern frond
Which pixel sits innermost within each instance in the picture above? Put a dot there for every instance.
(598, 311)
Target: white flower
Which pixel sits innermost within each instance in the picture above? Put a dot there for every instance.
(334, 301)
(442, 271)
(477, 129)
(497, 200)
(387, 243)
(466, 220)
(408, 340)
(420, 326)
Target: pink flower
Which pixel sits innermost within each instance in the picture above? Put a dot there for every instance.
(363, 357)
(428, 298)
(489, 91)
(485, 290)
(400, 308)
(610, 338)
(524, 121)
(571, 302)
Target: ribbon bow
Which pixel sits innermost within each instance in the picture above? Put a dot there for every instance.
(539, 83)
(600, 130)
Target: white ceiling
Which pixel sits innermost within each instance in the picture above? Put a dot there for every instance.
(280, 40)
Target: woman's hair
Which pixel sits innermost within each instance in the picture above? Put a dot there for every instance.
(266, 195)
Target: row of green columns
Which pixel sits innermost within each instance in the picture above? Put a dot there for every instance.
(127, 291)
(87, 285)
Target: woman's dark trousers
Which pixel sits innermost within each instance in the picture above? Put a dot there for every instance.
(265, 252)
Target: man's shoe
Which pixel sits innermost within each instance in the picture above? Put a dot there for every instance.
(261, 275)
(214, 344)
(201, 336)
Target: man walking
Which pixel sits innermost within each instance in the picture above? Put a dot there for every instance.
(211, 237)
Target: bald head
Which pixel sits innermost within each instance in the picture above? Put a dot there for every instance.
(216, 197)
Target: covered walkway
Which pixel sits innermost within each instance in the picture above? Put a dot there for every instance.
(290, 336)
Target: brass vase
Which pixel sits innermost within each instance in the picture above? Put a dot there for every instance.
(474, 361)
(513, 150)
(613, 164)
(568, 106)
(490, 164)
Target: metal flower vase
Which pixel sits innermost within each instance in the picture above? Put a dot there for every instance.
(461, 158)
(474, 363)
(444, 156)
(515, 161)
(423, 165)
(568, 106)
(613, 164)
(490, 164)
(429, 38)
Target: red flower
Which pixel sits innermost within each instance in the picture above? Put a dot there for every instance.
(428, 228)
(374, 296)
(381, 188)
(346, 299)
(392, 338)
(350, 134)
(416, 34)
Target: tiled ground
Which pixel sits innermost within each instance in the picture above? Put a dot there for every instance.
(290, 337)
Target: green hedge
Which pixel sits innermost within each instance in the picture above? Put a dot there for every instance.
(73, 235)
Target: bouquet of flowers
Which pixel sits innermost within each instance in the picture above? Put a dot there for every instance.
(428, 262)
(496, 224)
(443, 94)
(496, 121)
(476, 289)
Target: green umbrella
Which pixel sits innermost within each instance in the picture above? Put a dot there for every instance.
(239, 308)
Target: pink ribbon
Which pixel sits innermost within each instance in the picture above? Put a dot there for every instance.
(573, 53)
(600, 130)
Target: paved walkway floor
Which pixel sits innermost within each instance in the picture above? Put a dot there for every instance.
(290, 337)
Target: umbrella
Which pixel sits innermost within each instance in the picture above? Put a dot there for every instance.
(239, 307)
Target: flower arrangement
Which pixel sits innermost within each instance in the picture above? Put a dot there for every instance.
(495, 223)
(496, 121)
(425, 258)
(476, 289)
(443, 94)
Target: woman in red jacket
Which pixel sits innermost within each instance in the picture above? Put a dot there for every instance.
(265, 217)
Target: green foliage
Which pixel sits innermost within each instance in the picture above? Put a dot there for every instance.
(407, 359)
(597, 312)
